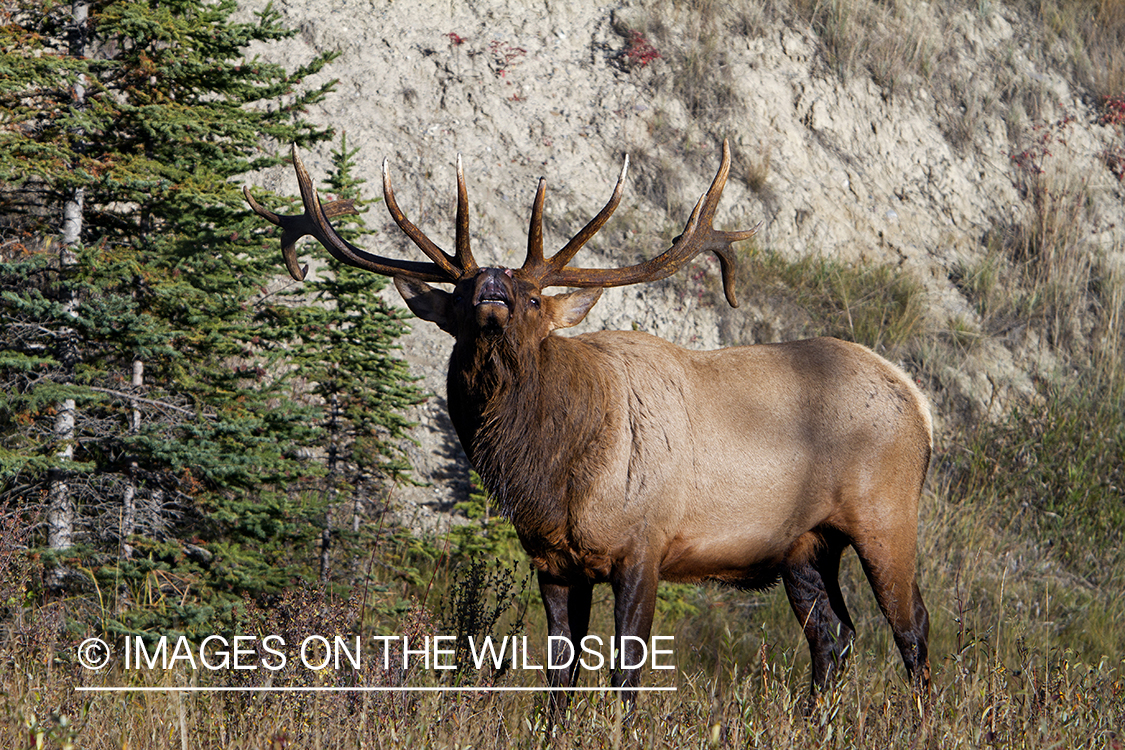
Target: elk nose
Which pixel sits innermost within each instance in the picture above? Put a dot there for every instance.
(492, 299)
(491, 288)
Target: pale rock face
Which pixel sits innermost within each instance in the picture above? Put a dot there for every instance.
(526, 90)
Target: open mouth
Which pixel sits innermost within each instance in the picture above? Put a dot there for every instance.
(492, 292)
(493, 299)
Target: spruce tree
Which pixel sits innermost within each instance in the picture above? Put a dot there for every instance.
(183, 477)
(346, 340)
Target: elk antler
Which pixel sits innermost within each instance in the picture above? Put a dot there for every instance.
(314, 221)
(698, 235)
(534, 265)
(457, 266)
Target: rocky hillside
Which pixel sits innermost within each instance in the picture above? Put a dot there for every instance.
(928, 139)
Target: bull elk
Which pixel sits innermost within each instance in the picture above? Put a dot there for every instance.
(621, 458)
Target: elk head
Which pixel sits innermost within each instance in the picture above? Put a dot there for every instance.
(489, 303)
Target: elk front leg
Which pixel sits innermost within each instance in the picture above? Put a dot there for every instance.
(567, 604)
(634, 604)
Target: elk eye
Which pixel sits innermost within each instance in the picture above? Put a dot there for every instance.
(534, 302)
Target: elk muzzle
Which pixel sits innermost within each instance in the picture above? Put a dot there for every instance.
(493, 298)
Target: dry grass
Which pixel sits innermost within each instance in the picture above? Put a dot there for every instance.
(693, 39)
(1004, 674)
(1044, 272)
(1026, 650)
(903, 46)
(1109, 335)
(895, 43)
(757, 171)
(876, 305)
(908, 42)
(1094, 34)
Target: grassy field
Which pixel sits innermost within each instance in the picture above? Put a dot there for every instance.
(1008, 671)
(1020, 554)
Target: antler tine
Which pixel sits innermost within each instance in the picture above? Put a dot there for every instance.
(315, 222)
(433, 252)
(570, 249)
(698, 235)
(288, 241)
(292, 228)
(464, 255)
(534, 258)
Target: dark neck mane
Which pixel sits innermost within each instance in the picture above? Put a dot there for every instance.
(530, 419)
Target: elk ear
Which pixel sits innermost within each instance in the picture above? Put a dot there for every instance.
(426, 302)
(569, 309)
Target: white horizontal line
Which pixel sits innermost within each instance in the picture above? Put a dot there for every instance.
(364, 689)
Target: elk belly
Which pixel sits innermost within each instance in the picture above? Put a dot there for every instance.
(730, 562)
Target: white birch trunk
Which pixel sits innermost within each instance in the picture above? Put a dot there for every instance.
(60, 500)
(129, 499)
(60, 507)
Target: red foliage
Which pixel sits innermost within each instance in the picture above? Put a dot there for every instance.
(1113, 113)
(505, 55)
(640, 51)
(1030, 160)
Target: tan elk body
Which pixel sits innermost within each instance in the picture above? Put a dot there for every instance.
(622, 458)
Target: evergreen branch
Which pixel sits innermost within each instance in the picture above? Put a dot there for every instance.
(149, 401)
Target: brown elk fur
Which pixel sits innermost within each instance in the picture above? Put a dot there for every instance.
(625, 459)
(617, 452)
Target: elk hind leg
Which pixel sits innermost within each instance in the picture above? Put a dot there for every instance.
(811, 577)
(889, 566)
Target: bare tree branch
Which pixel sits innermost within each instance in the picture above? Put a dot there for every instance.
(150, 402)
